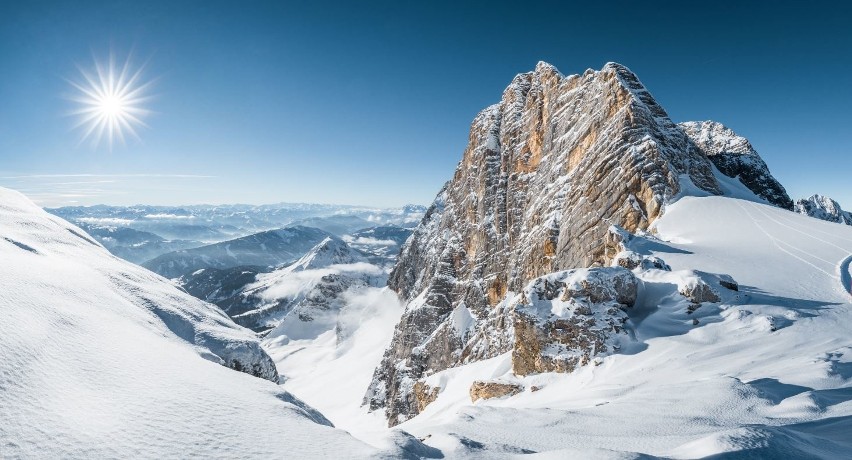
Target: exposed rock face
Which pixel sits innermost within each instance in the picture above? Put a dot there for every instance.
(563, 320)
(489, 390)
(424, 395)
(546, 172)
(823, 207)
(617, 246)
(734, 156)
(699, 292)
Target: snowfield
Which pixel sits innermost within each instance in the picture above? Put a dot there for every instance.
(103, 359)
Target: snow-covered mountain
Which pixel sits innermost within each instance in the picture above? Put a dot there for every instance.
(269, 248)
(102, 358)
(381, 242)
(241, 291)
(308, 293)
(223, 286)
(546, 173)
(763, 371)
(823, 207)
(134, 245)
(595, 281)
(734, 156)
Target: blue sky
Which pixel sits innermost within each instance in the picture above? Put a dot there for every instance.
(370, 102)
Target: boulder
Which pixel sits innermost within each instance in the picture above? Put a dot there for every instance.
(492, 389)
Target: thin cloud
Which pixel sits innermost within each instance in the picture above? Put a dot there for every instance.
(55, 176)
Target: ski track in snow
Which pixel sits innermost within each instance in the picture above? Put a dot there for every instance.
(778, 242)
(758, 208)
(843, 266)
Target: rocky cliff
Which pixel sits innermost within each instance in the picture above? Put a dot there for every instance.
(545, 174)
(823, 207)
(734, 156)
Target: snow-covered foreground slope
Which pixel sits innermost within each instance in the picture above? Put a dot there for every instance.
(103, 359)
(768, 372)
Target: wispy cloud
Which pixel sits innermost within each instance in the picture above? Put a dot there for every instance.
(59, 176)
(90, 188)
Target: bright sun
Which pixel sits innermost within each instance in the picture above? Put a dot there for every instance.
(111, 102)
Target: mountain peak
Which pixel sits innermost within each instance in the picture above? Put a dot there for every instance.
(546, 67)
(546, 171)
(824, 208)
(735, 157)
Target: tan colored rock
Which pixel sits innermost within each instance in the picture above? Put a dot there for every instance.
(489, 390)
(424, 395)
(545, 173)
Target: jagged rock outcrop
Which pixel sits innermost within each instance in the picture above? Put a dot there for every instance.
(617, 247)
(490, 390)
(563, 320)
(734, 156)
(823, 207)
(547, 171)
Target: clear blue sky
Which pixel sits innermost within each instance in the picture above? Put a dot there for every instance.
(370, 102)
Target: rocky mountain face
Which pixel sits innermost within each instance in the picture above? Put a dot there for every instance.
(734, 156)
(546, 174)
(823, 207)
(269, 248)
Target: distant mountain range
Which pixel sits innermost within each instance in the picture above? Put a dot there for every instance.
(141, 233)
(265, 249)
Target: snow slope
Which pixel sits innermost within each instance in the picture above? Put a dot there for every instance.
(103, 359)
(767, 372)
(330, 371)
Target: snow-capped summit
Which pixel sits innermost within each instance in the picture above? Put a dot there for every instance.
(330, 251)
(823, 207)
(307, 288)
(736, 158)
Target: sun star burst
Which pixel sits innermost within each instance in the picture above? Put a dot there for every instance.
(111, 99)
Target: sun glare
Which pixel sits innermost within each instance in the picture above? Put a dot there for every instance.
(111, 99)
